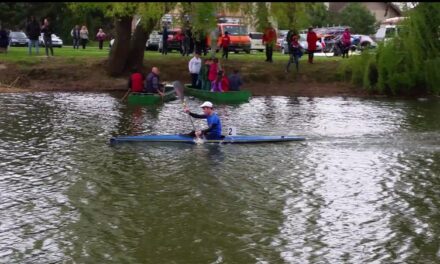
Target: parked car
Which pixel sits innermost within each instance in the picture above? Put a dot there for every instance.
(387, 32)
(257, 41)
(303, 43)
(18, 39)
(56, 41)
(363, 41)
(173, 43)
(281, 38)
(153, 40)
(112, 41)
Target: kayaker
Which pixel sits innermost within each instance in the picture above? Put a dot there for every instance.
(152, 82)
(136, 80)
(214, 130)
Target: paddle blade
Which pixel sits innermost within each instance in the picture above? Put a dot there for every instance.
(178, 87)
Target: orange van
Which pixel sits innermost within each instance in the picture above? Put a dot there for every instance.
(238, 34)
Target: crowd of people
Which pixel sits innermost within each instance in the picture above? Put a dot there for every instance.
(211, 76)
(208, 75)
(189, 41)
(80, 36)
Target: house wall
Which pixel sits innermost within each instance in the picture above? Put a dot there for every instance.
(376, 8)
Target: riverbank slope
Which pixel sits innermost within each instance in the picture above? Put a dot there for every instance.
(78, 70)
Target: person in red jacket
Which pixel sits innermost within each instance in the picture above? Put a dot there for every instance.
(269, 39)
(136, 81)
(225, 82)
(225, 41)
(312, 38)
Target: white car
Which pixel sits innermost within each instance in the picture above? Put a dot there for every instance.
(56, 41)
(386, 32)
(363, 41)
(112, 41)
(257, 41)
(153, 40)
(281, 38)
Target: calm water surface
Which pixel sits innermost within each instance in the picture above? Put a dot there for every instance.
(363, 188)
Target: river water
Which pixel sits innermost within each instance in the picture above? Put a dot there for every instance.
(363, 188)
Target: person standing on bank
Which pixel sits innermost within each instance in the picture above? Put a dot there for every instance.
(84, 35)
(46, 29)
(312, 38)
(75, 36)
(214, 130)
(295, 53)
(100, 37)
(33, 31)
(194, 66)
(225, 41)
(269, 39)
(165, 39)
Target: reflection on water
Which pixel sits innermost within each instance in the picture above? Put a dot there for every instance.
(363, 188)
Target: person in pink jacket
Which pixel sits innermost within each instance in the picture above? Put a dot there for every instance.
(213, 70)
(346, 42)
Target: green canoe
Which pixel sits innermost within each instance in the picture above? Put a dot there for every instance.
(234, 97)
(152, 99)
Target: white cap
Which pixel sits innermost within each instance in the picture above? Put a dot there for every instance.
(207, 104)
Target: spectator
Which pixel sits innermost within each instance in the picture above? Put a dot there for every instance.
(194, 66)
(203, 41)
(225, 41)
(295, 53)
(235, 81)
(4, 40)
(346, 42)
(100, 37)
(205, 84)
(312, 38)
(187, 41)
(46, 29)
(269, 39)
(84, 35)
(213, 70)
(165, 39)
(75, 33)
(33, 31)
(216, 85)
(225, 82)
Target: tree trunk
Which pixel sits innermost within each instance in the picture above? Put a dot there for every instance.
(137, 44)
(121, 47)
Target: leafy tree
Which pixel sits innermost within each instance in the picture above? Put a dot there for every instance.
(358, 18)
(291, 15)
(408, 64)
(128, 48)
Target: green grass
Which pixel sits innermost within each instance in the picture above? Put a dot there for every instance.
(20, 54)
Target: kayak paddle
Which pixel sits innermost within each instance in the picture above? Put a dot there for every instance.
(178, 87)
(128, 91)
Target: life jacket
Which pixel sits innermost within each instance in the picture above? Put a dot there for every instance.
(136, 82)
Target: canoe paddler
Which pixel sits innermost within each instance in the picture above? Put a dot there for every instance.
(152, 82)
(214, 130)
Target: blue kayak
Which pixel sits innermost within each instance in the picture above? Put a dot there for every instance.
(191, 140)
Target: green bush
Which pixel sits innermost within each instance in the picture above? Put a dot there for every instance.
(406, 65)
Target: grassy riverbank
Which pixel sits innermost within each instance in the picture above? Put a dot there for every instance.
(84, 70)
